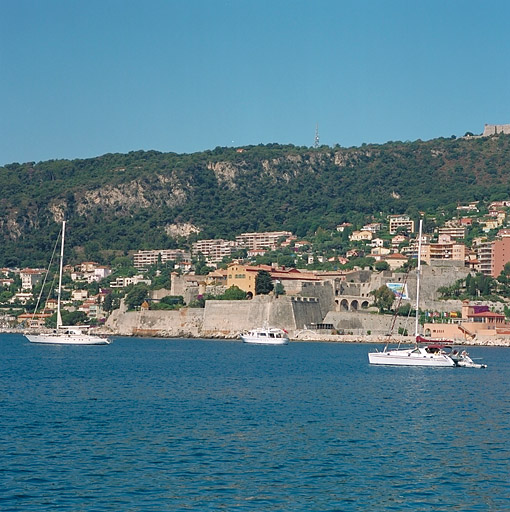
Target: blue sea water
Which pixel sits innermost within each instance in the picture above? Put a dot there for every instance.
(171, 425)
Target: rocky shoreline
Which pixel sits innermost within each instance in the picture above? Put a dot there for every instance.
(300, 336)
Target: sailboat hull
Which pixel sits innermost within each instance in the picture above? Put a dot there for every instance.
(67, 339)
(410, 357)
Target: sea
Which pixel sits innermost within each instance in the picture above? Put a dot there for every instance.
(209, 425)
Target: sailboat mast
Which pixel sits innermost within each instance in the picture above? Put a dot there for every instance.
(59, 317)
(418, 272)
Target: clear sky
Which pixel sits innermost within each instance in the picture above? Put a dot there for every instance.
(82, 78)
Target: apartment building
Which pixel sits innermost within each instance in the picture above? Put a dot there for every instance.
(455, 232)
(400, 221)
(267, 240)
(30, 277)
(446, 250)
(144, 259)
(500, 255)
(214, 250)
(484, 257)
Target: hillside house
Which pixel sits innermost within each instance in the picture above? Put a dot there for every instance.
(30, 277)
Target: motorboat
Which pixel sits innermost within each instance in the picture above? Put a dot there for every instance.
(266, 336)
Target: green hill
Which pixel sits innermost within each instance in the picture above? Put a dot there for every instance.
(157, 200)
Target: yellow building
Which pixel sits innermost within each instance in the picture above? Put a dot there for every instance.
(243, 276)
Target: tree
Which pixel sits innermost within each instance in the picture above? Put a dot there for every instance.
(263, 283)
(381, 265)
(234, 293)
(136, 295)
(279, 289)
(108, 303)
(383, 298)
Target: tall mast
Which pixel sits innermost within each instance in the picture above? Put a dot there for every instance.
(418, 271)
(59, 317)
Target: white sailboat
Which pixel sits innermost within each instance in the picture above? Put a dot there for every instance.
(418, 355)
(67, 335)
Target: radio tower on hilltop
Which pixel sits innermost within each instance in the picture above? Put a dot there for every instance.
(316, 140)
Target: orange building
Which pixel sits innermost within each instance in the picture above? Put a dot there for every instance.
(475, 321)
(500, 255)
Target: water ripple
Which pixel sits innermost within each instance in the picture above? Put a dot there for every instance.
(208, 425)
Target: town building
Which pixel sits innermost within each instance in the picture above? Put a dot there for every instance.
(476, 321)
(214, 250)
(361, 236)
(374, 227)
(30, 277)
(500, 255)
(123, 282)
(445, 249)
(266, 240)
(144, 259)
(243, 276)
(400, 221)
(484, 258)
(493, 256)
(395, 260)
(455, 232)
(396, 241)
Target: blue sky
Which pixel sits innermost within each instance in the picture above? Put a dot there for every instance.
(82, 78)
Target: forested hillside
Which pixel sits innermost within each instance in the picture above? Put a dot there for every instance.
(159, 200)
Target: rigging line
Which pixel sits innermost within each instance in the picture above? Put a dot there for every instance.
(394, 319)
(46, 277)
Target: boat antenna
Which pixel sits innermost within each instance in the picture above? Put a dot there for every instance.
(418, 271)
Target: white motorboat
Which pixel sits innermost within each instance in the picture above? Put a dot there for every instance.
(418, 355)
(67, 335)
(266, 336)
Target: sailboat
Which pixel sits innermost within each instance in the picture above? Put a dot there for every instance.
(67, 335)
(418, 355)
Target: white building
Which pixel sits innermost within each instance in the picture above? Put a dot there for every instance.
(144, 259)
(30, 277)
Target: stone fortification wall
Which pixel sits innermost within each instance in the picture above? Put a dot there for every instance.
(290, 313)
(179, 323)
(219, 318)
(159, 294)
(361, 323)
(324, 292)
(494, 129)
(306, 311)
